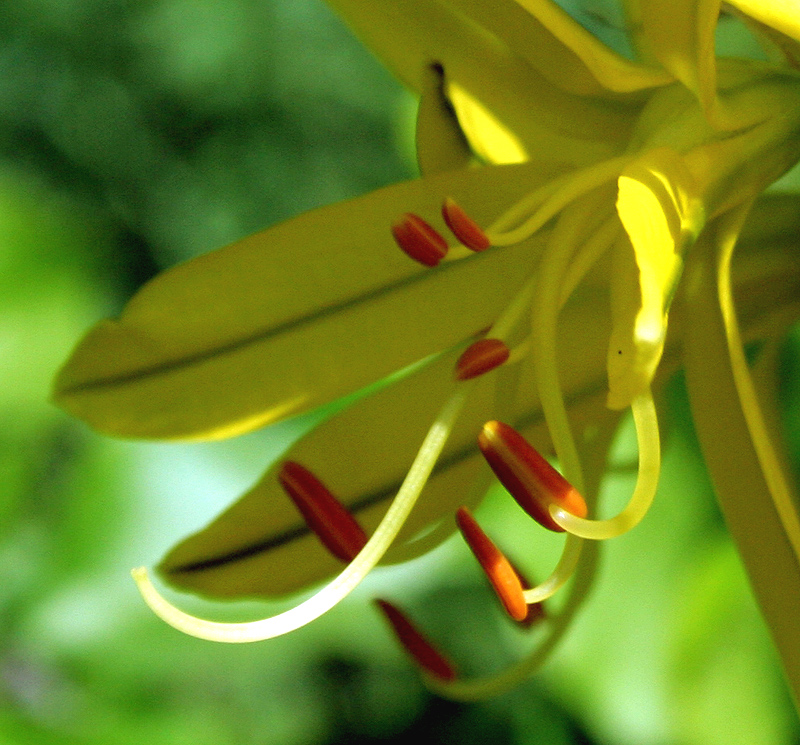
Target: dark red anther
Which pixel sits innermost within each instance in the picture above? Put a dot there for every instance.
(527, 476)
(501, 574)
(468, 232)
(324, 514)
(424, 653)
(481, 357)
(419, 240)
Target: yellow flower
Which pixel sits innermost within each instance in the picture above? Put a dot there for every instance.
(590, 208)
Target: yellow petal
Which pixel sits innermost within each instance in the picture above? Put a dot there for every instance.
(783, 15)
(409, 35)
(260, 546)
(661, 214)
(294, 316)
(680, 34)
(758, 501)
(611, 70)
(491, 84)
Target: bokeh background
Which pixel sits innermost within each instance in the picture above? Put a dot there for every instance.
(138, 133)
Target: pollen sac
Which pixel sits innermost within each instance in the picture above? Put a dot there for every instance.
(468, 232)
(323, 513)
(527, 476)
(419, 240)
(481, 357)
(424, 653)
(504, 578)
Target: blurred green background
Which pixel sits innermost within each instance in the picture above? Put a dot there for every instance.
(138, 133)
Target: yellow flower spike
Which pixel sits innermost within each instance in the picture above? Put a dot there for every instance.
(661, 214)
(759, 505)
(616, 157)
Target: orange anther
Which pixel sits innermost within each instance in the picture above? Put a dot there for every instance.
(501, 574)
(481, 357)
(324, 514)
(419, 240)
(464, 227)
(536, 611)
(423, 652)
(528, 477)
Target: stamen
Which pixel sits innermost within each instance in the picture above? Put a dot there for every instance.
(350, 577)
(464, 227)
(419, 240)
(423, 652)
(481, 357)
(501, 574)
(569, 233)
(647, 435)
(476, 689)
(528, 477)
(548, 202)
(324, 514)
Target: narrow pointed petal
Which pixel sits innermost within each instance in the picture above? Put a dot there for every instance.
(261, 547)
(612, 71)
(293, 317)
(544, 116)
(430, 659)
(757, 498)
(680, 34)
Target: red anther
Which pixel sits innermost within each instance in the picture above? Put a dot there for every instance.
(464, 227)
(424, 653)
(528, 477)
(419, 240)
(324, 514)
(501, 574)
(481, 357)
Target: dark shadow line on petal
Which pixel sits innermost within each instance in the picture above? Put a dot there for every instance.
(368, 500)
(168, 367)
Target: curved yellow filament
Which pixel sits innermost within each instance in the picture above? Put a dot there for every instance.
(576, 186)
(570, 555)
(553, 629)
(344, 583)
(644, 417)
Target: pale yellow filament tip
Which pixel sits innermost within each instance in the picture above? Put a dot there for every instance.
(647, 435)
(350, 577)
